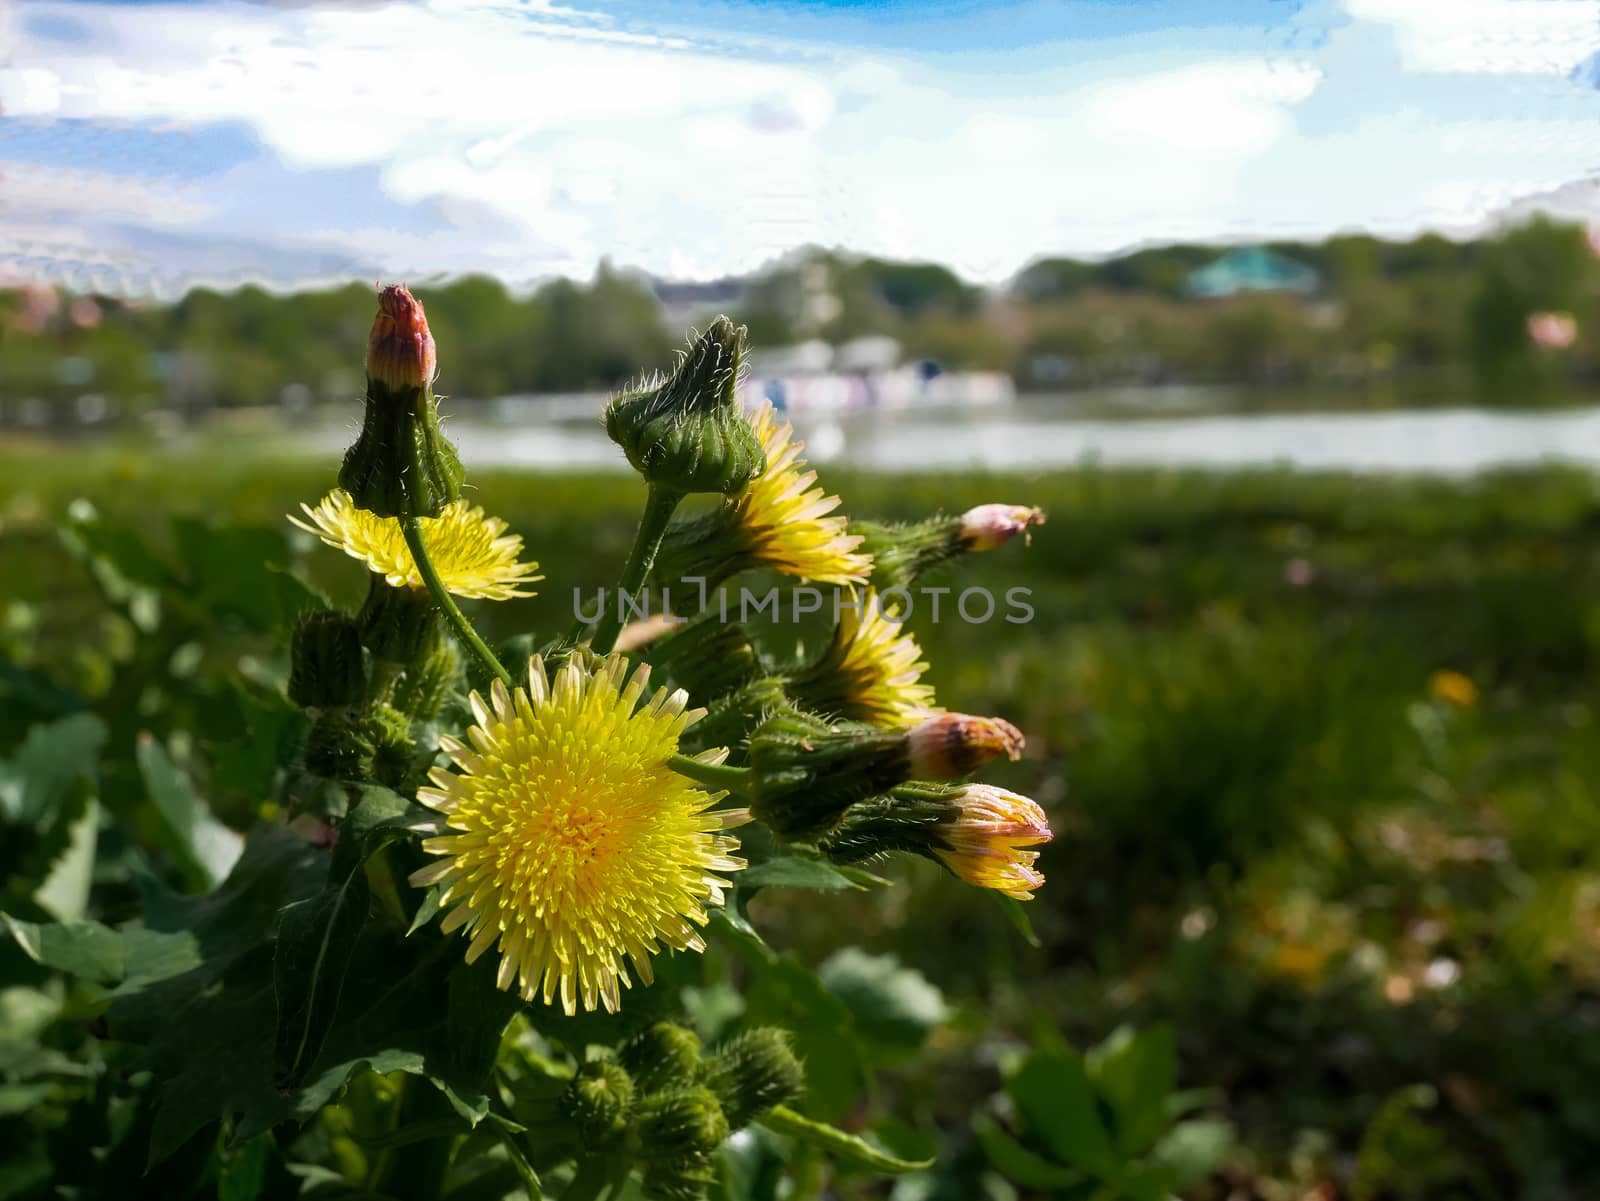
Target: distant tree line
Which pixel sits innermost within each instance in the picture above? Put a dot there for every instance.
(1426, 310)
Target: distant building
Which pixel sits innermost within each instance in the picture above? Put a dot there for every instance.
(1251, 269)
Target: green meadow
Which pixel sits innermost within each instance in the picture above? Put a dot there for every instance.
(1319, 752)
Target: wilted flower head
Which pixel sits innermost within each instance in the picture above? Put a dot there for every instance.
(870, 671)
(949, 745)
(988, 526)
(472, 553)
(982, 842)
(573, 847)
(400, 350)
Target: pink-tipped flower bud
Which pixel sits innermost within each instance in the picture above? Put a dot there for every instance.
(950, 745)
(989, 526)
(400, 350)
(982, 842)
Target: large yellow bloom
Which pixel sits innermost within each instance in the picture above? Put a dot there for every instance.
(573, 846)
(473, 554)
(784, 519)
(870, 672)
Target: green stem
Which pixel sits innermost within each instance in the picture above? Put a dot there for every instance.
(659, 506)
(412, 528)
(715, 775)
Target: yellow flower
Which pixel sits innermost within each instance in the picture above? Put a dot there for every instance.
(982, 842)
(784, 519)
(870, 672)
(1453, 688)
(573, 846)
(473, 554)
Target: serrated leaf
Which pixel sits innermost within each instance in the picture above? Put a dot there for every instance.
(848, 1148)
(1136, 1074)
(1057, 1103)
(205, 849)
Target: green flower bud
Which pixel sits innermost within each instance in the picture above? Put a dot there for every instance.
(326, 665)
(687, 1178)
(600, 1101)
(392, 748)
(681, 1123)
(663, 1056)
(422, 690)
(806, 773)
(730, 719)
(398, 625)
(401, 464)
(754, 1072)
(709, 658)
(339, 746)
(687, 432)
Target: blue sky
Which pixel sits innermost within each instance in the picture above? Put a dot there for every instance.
(145, 147)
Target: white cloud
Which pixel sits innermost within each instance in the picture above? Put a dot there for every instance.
(1489, 36)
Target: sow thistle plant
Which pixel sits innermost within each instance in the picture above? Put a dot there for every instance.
(473, 940)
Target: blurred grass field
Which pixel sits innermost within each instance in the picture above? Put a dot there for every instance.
(1319, 751)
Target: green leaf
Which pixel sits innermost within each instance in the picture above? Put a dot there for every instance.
(1018, 1164)
(205, 849)
(1191, 1151)
(317, 937)
(64, 892)
(895, 1008)
(1017, 914)
(120, 548)
(45, 766)
(845, 1147)
(1057, 1102)
(241, 571)
(1136, 1074)
(794, 871)
(87, 950)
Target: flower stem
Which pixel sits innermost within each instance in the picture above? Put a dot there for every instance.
(659, 506)
(411, 527)
(713, 775)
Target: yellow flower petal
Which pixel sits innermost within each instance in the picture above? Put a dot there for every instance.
(473, 554)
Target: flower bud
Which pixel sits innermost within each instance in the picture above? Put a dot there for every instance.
(680, 1123)
(662, 1056)
(687, 432)
(339, 746)
(754, 1072)
(683, 1178)
(947, 746)
(729, 720)
(806, 773)
(600, 1102)
(392, 749)
(326, 665)
(902, 554)
(401, 464)
(709, 658)
(398, 625)
(989, 526)
(421, 690)
(975, 830)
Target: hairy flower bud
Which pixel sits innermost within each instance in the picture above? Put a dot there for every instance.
(679, 1178)
(806, 773)
(326, 665)
(687, 432)
(708, 657)
(753, 1072)
(421, 690)
(729, 719)
(975, 830)
(662, 1056)
(340, 746)
(947, 746)
(902, 554)
(401, 465)
(398, 625)
(681, 1122)
(600, 1102)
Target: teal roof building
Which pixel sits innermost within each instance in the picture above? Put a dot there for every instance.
(1251, 269)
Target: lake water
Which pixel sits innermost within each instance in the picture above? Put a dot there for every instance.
(1039, 435)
